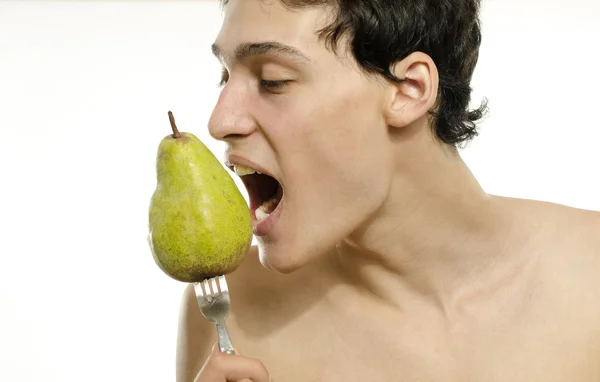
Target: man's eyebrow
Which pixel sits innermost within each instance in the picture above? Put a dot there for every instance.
(249, 49)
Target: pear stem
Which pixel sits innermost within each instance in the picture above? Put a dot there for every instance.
(176, 133)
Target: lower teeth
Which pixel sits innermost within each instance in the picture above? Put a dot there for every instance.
(266, 208)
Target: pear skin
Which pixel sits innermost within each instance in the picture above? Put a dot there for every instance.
(199, 223)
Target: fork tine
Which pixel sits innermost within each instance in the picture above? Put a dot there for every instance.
(214, 287)
(218, 284)
(199, 287)
(208, 291)
(223, 284)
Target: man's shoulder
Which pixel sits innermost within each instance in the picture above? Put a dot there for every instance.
(565, 247)
(575, 229)
(558, 224)
(569, 246)
(565, 239)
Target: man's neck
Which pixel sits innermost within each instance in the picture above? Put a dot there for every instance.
(438, 237)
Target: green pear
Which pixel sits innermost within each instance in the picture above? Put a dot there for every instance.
(199, 223)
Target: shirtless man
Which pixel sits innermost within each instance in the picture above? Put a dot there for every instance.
(384, 260)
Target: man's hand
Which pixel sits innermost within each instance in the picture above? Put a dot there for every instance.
(223, 367)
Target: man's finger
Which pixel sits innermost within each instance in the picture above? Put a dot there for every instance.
(237, 368)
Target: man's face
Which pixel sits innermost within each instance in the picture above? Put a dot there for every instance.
(321, 133)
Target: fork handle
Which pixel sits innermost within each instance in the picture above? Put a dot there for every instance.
(224, 341)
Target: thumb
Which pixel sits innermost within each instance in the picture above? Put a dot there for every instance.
(217, 349)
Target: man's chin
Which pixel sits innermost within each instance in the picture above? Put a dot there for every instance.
(280, 260)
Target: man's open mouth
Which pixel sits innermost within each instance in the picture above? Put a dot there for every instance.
(264, 191)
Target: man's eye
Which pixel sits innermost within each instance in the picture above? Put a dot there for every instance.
(273, 85)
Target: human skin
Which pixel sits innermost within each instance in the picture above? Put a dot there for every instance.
(388, 261)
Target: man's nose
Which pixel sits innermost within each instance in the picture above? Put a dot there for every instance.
(231, 117)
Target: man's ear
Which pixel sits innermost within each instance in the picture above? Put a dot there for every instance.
(416, 94)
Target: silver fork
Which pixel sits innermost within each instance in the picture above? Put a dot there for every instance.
(213, 299)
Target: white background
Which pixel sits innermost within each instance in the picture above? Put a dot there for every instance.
(84, 92)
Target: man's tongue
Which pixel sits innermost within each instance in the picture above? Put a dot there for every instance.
(265, 209)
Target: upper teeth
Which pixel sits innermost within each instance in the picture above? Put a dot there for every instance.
(243, 170)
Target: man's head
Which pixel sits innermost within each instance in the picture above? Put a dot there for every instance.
(332, 99)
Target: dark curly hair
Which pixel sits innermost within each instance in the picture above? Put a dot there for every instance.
(383, 32)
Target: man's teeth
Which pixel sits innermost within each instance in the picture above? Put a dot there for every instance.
(266, 208)
(260, 214)
(243, 170)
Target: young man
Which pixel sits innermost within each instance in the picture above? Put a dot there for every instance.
(380, 257)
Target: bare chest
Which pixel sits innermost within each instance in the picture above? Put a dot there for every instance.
(543, 331)
(357, 351)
